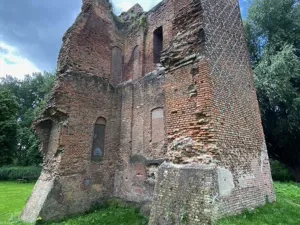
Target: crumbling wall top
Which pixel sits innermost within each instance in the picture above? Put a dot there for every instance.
(134, 12)
(157, 6)
(89, 2)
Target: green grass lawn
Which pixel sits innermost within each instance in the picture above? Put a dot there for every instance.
(14, 195)
(12, 200)
(107, 216)
(286, 211)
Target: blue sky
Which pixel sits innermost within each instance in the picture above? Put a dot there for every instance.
(31, 31)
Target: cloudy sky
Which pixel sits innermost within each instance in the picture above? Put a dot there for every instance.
(31, 31)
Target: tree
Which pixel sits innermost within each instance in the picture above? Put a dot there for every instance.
(31, 93)
(273, 34)
(8, 127)
(271, 24)
(277, 81)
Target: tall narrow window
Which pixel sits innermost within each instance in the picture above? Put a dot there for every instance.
(157, 125)
(98, 139)
(157, 44)
(116, 65)
(136, 64)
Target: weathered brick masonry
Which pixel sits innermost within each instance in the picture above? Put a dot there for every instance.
(156, 108)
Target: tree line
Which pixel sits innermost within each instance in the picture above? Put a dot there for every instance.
(273, 36)
(21, 102)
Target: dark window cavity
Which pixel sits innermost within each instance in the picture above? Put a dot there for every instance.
(157, 44)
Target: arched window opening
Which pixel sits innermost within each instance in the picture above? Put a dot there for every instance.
(98, 139)
(157, 44)
(136, 62)
(157, 125)
(116, 65)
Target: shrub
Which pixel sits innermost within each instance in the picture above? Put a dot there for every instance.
(30, 173)
(279, 172)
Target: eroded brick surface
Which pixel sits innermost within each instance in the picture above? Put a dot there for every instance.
(196, 112)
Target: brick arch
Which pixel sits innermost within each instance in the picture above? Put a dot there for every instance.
(101, 121)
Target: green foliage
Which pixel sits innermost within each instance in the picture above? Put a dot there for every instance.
(273, 34)
(284, 211)
(279, 172)
(271, 24)
(31, 95)
(8, 126)
(254, 42)
(275, 76)
(14, 173)
(143, 22)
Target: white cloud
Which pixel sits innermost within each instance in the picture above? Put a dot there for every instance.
(12, 63)
(123, 6)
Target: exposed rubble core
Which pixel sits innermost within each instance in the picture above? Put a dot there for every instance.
(156, 108)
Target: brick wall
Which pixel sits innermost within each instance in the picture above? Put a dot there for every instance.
(159, 16)
(241, 144)
(88, 43)
(196, 111)
(212, 110)
(78, 181)
(137, 149)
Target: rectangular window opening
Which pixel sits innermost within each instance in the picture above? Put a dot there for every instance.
(157, 44)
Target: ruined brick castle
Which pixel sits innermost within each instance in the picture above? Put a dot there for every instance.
(156, 108)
